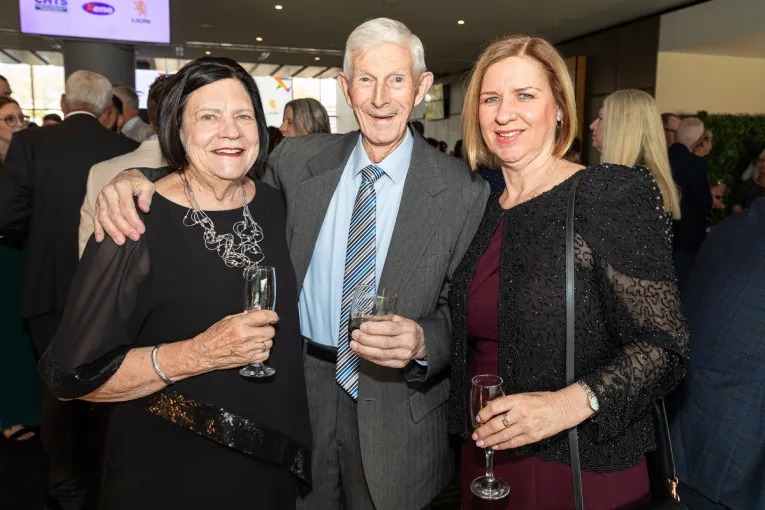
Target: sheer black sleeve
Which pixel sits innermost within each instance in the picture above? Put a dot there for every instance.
(96, 330)
(629, 239)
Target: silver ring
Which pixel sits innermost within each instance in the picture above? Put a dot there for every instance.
(506, 422)
(265, 347)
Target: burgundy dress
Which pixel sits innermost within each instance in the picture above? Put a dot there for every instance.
(534, 483)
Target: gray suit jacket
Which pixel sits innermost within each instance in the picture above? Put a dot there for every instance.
(401, 413)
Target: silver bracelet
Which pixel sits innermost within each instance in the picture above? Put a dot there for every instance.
(160, 373)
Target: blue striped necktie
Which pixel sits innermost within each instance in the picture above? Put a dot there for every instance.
(360, 267)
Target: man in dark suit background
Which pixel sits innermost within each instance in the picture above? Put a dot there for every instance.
(718, 427)
(381, 444)
(41, 191)
(690, 175)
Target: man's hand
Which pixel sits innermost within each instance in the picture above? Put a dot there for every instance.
(391, 343)
(115, 211)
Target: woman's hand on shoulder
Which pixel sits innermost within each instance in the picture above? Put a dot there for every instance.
(236, 340)
(115, 210)
(526, 418)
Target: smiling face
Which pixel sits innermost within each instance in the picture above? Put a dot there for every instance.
(219, 132)
(598, 128)
(288, 123)
(10, 110)
(517, 112)
(382, 90)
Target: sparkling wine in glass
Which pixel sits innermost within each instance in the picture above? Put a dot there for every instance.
(368, 305)
(485, 388)
(259, 294)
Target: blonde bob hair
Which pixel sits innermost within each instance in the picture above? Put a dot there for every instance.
(475, 149)
(633, 134)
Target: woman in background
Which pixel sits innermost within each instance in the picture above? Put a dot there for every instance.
(628, 131)
(19, 384)
(304, 117)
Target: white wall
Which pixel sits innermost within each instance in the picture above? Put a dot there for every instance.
(710, 22)
(687, 83)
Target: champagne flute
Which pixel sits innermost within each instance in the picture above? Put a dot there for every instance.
(259, 294)
(368, 305)
(485, 388)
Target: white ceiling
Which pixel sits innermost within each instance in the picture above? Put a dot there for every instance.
(305, 29)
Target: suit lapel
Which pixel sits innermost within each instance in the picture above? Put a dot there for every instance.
(416, 218)
(313, 197)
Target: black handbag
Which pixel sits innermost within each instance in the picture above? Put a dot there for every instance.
(661, 463)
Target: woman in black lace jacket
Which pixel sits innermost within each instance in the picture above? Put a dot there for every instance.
(507, 296)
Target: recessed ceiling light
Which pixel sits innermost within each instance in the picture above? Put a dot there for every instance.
(205, 25)
(258, 39)
(460, 21)
(208, 52)
(278, 7)
(317, 58)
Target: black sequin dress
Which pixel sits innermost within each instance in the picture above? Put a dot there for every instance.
(631, 338)
(216, 440)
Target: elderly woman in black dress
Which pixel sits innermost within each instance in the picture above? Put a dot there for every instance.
(156, 325)
(507, 296)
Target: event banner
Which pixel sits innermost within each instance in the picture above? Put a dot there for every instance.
(118, 20)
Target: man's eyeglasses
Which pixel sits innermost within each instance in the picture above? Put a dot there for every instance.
(15, 120)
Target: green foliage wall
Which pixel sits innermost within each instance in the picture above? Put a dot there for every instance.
(736, 141)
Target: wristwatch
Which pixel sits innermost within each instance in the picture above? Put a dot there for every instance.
(592, 400)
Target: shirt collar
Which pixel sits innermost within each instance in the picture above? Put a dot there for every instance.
(78, 112)
(395, 165)
(129, 124)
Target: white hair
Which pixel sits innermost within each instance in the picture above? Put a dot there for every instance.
(127, 94)
(88, 89)
(690, 131)
(380, 31)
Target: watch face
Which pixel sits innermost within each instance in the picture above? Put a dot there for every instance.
(594, 404)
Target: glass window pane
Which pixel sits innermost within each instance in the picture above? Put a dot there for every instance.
(20, 79)
(48, 87)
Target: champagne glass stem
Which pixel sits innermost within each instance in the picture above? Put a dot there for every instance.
(489, 465)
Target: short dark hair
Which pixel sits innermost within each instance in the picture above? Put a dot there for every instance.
(52, 116)
(156, 91)
(419, 127)
(3, 78)
(117, 103)
(195, 75)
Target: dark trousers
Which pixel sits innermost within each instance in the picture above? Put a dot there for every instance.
(336, 467)
(71, 443)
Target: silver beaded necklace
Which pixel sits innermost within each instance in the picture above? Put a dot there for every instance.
(243, 253)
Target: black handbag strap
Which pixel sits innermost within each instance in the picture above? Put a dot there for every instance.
(573, 437)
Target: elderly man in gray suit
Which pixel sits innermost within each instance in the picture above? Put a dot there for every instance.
(380, 206)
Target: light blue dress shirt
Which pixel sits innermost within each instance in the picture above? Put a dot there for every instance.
(320, 298)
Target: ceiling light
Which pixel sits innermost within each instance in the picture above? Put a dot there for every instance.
(258, 39)
(460, 21)
(317, 58)
(278, 7)
(208, 52)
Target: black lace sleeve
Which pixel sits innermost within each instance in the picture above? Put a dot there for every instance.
(95, 331)
(629, 235)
